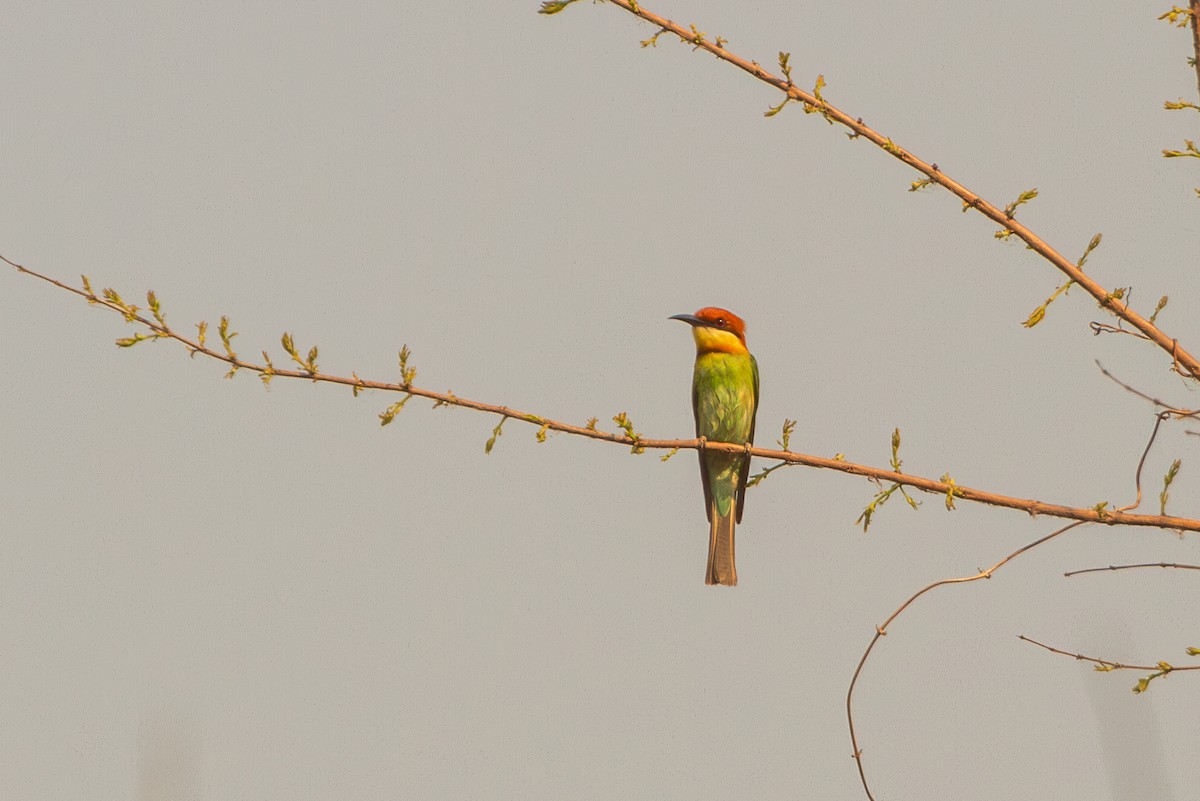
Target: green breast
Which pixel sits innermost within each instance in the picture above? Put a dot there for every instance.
(724, 396)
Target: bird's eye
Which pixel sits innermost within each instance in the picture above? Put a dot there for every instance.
(721, 321)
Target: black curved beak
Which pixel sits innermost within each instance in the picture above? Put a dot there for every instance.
(690, 319)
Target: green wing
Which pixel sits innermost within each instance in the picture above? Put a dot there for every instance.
(741, 495)
(703, 464)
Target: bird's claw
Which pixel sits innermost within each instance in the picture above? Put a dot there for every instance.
(702, 442)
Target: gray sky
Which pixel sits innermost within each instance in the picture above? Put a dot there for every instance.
(212, 591)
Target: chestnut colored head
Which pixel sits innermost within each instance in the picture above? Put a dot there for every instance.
(716, 330)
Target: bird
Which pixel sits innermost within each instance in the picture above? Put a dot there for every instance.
(725, 403)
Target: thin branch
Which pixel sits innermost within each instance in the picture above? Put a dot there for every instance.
(1130, 567)
(1106, 664)
(1097, 514)
(1194, 7)
(881, 631)
(1175, 412)
(1190, 364)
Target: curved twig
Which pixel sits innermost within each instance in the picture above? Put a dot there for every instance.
(881, 631)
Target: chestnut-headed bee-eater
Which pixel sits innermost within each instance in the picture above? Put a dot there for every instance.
(724, 401)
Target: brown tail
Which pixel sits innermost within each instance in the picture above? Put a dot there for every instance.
(721, 569)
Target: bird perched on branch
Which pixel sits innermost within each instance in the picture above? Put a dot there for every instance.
(724, 401)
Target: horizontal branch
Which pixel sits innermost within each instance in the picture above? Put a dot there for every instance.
(1184, 362)
(948, 489)
(1130, 567)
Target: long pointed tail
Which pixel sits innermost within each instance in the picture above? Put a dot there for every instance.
(721, 568)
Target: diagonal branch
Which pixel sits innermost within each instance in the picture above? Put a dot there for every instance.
(1105, 664)
(1187, 363)
(948, 489)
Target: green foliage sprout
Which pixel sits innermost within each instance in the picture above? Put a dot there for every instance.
(1167, 479)
(1191, 151)
(883, 495)
(496, 432)
(555, 6)
(626, 425)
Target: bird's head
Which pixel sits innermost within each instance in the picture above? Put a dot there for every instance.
(716, 330)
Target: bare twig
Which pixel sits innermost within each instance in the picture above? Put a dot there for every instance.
(1194, 7)
(1104, 328)
(1189, 364)
(1175, 412)
(1106, 664)
(1130, 567)
(1097, 514)
(881, 631)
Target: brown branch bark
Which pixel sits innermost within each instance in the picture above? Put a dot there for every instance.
(1112, 517)
(1194, 7)
(1130, 567)
(881, 631)
(1104, 662)
(1188, 364)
